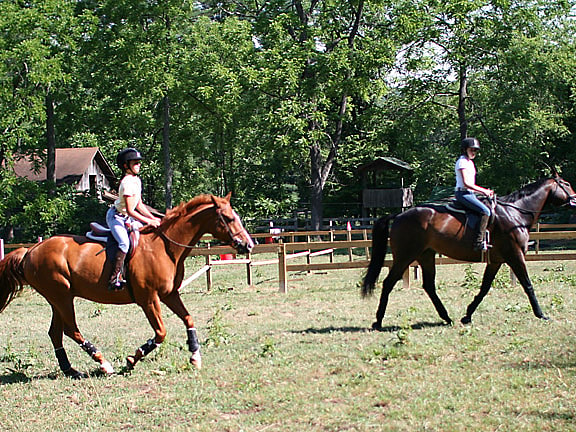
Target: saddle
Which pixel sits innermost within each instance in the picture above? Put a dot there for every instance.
(102, 234)
(472, 217)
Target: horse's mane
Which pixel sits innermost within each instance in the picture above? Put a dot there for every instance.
(523, 192)
(177, 212)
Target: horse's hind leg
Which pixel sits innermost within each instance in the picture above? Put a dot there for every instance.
(395, 274)
(174, 302)
(56, 334)
(428, 264)
(487, 279)
(64, 321)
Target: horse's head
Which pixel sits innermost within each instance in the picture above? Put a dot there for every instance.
(563, 192)
(229, 227)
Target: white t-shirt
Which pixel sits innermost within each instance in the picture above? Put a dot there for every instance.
(463, 163)
(130, 185)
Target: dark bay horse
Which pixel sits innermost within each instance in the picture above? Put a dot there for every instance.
(417, 234)
(64, 267)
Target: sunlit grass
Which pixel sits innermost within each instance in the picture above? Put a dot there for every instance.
(306, 360)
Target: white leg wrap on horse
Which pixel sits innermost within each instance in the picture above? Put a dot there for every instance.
(106, 367)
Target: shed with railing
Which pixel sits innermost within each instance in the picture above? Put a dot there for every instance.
(384, 183)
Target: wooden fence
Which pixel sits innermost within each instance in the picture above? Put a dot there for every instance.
(289, 249)
(311, 244)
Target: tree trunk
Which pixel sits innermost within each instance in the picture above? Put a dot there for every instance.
(317, 187)
(50, 141)
(462, 96)
(166, 150)
(320, 171)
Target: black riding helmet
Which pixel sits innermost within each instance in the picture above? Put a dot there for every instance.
(127, 155)
(469, 143)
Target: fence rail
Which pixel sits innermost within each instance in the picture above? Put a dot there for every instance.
(286, 251)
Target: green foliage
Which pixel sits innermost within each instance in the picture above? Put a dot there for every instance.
(280, 102)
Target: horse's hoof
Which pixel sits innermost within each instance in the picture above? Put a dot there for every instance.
(107, 368)
(376, 326)
(130, 362)
(196, 360)
(74, 374)
(466, 320)
(544, 317)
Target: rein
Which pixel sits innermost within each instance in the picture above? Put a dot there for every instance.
(218, 212)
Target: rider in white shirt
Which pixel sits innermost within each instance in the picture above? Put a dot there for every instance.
(466, 187)
(126, 209)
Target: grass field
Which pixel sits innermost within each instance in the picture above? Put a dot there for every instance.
(307, 361)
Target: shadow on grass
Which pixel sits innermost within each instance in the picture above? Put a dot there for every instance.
(387, 329)
(550, 416)
(558, 363)
(16, 377)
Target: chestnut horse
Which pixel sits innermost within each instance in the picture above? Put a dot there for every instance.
(417, 234)
(67, 266)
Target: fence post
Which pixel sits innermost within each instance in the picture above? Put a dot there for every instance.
(349, 238)
(537, 248)
(208, 272)
(282, 283)
(331, 240)
(367, 249)
(406, 278)
(249, 269)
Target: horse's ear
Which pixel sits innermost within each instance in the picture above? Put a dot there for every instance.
(228, 196)
(553, 171)
(214, 201)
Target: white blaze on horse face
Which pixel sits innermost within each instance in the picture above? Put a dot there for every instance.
(247, 240)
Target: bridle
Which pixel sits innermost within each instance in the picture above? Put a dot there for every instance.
(233, 236)
(571, 197)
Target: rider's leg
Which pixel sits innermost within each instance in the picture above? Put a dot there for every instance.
(470, 200)
(479, 243)
(116, 224)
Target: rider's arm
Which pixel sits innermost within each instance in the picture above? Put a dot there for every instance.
(138, 211)
(469, 182)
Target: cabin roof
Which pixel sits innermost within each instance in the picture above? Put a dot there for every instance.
(385, 163)
(71, 164)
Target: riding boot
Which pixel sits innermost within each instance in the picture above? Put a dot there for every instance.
(480, 243)
(117, 281)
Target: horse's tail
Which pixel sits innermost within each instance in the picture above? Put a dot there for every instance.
(11, 276)
(379, 247)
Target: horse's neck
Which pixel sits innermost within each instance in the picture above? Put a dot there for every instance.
(534, 203)
(182, 236)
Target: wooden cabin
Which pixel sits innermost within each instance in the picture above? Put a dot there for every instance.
(383, 184)
(84, 168)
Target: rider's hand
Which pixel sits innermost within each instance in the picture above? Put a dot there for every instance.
(489, 193)
(154, 222)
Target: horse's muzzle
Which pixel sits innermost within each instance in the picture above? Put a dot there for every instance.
(243, 246)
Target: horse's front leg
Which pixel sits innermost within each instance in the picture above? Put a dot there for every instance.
(487, 279)
(152, 311)
(174, 302)
(518, 266)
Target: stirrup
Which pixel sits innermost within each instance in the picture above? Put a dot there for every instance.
(118, 284)
(484, 245)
